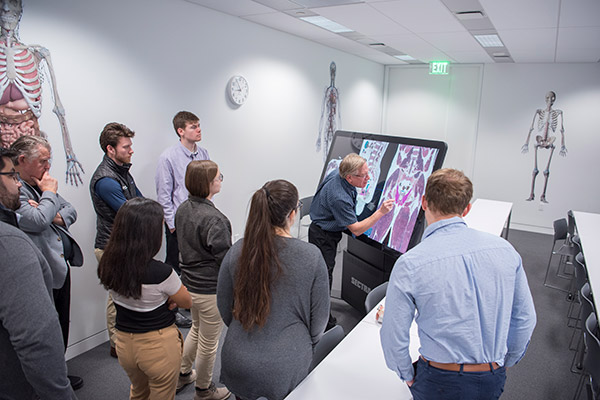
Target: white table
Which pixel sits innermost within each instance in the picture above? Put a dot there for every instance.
(356, 369)
(588, 229)
(490, 216)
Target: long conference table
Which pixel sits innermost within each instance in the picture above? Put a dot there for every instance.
(356, 368)
(588, 229)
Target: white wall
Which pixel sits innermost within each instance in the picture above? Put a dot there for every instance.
(138, 62)
(484, 114)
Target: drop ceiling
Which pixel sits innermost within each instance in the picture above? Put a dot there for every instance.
(532, 31)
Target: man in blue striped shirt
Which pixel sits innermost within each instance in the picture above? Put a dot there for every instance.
(474, 310)
(333, 210)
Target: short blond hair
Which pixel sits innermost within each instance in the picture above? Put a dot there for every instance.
(448, 192)
(351, 164)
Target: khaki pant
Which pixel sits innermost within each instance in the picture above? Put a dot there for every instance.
(111, 311)
(152, 361)
(202, 340)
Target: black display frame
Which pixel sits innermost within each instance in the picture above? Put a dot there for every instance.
(353, 143)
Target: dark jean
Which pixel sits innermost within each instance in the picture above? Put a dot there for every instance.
(435, 384)
(327, 242)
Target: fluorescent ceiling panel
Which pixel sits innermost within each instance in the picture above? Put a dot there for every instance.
(489, 40)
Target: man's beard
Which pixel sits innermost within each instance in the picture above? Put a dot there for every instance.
(9, 201)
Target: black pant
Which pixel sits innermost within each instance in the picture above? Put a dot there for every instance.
(327, 242)
(172, 257)
(62, 303)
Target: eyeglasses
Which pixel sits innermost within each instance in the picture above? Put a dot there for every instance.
(220, 177)
(13, 174)
(361, 176)
(300, 204)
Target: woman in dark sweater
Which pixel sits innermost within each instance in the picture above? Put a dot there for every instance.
(204, 236)
(273, 294)
(144, 291)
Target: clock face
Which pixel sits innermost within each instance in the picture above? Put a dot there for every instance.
(237, 89)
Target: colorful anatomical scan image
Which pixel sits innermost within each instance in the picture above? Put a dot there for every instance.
(372, 151)
(405, 183)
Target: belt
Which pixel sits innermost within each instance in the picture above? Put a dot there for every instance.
(465, 367)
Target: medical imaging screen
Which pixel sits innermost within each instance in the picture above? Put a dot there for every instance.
(398, 169)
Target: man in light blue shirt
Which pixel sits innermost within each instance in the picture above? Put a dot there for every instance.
(474, 310)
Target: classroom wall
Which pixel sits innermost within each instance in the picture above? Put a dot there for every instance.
(484, 113)
(138, 62)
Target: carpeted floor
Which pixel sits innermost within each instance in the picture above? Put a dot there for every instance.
(543, 374)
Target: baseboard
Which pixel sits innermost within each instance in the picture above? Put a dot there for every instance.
(86, 344)
(531, 228)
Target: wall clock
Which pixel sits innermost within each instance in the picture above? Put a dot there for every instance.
(237, 90)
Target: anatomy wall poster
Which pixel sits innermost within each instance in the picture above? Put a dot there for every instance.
(548, 120)
(330, 115)
(22, 69)
(405, 183)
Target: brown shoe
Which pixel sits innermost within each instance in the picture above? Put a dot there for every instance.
(113, 352)
(212, 393)
(185, 380)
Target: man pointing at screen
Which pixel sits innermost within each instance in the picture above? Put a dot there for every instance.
(333, 210)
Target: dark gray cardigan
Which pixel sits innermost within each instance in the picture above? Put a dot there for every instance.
(204, 237)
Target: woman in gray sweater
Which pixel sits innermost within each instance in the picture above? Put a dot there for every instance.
(204, 235)
(273, 294)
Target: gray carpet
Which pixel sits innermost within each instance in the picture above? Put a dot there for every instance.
(543, 374)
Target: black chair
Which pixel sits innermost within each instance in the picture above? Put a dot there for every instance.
(375, 296)
(330, 339)
(591, 363)
(580, 280)
(565, 251)
(587, 308)
(304, 211)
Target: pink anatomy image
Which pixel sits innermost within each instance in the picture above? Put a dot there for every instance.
(405, 184)
(372, 151)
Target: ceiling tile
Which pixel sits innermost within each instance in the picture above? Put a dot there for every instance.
(529, 39)
(579, 13)
(236, 8)
(472, 57)
(294, 26)
(452, 41)
(420, 16)
(362, 18)
(522, 14)
(578, 45)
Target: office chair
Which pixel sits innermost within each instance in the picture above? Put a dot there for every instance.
(587, 307)
(591, 363)
(564, 251)
(375, 296)
(578, 282)
(330, 339)
(304, 211)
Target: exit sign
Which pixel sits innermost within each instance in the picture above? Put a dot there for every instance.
(438, 68)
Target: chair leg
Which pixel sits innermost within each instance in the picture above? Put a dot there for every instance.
(557, 273)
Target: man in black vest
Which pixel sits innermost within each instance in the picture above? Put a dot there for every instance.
(110, 187)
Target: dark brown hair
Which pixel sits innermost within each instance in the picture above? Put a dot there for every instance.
(259, 264)
(182, 118)
(448, 192)
(111, 134)
(199, 175)
(136, 237)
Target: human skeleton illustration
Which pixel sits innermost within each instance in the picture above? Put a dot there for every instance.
(22, 69)
(547, 122)
(330, 115)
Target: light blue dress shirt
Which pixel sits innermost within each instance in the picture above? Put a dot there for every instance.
(471, 298)
(170, 178)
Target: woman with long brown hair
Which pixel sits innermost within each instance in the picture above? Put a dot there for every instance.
(273, 294)
(148, 345)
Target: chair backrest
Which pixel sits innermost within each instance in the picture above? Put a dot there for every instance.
(580, 271)
(375, 296)
(571, 223)
(330, 339)
(592, 358)
(587, 302)
(305, 210)
(560, 229)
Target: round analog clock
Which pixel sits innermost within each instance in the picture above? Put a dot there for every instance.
(237, 89)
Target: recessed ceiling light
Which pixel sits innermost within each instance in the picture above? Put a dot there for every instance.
(405, 57)
(326, 24)
(489, 40)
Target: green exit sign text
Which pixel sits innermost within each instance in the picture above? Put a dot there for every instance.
(438, 68)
